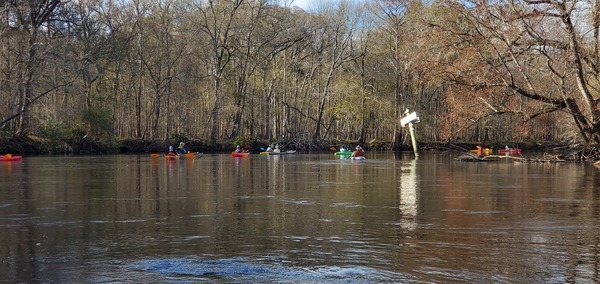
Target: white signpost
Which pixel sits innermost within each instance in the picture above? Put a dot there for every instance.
(409, 119)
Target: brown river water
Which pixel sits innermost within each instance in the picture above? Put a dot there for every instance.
(303, 218)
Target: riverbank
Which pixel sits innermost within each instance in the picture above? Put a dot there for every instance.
(84, 146)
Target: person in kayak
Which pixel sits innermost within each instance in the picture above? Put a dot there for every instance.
(358, 152)
(238, 149)
(181, 148)
(270, 148)
(171, 152)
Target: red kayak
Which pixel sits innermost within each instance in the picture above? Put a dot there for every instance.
(511, 151)
(171, 157)
(9, 157)
(242, 154)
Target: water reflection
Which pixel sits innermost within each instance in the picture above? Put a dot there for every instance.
(408, 195)
(297, 218)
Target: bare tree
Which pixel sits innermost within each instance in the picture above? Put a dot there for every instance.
(391, 20)
(159, 56)
(333, 46)
(524, 59)
(215, 20)
(33, 18)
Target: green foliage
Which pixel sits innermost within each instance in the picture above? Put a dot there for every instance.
(100, 122)
(52, 130)
(5, 132)
(77, 132)
(241, 140)
(52, 134)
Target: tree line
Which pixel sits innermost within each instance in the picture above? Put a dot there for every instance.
(219, 70)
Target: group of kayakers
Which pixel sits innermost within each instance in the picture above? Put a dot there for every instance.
(275, 148)
(181, 149)
(358, 151)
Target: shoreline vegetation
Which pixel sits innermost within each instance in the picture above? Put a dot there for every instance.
(551, 152)
(99, 77)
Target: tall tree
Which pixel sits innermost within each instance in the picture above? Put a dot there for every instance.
(334, 50)
(215, 20)
(159, 56)
(30, 16)
(267, 32)
(391, 19)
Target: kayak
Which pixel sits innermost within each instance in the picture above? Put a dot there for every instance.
(485, 151)
(186, 155)
(169, 157)
(358, 158)
(345, 153)
(242, 154)
(279, 153)
(192, 155)
(510, 151)
(9, 158)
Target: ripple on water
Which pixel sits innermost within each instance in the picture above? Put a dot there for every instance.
(346, 204)
(298, 202)
(245, 270)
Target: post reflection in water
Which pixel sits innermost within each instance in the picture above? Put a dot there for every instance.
(408, 195)
(306, 218)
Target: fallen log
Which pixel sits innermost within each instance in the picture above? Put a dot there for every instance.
(544, 159)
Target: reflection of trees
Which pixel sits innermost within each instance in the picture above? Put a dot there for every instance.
(486, 217)
(19, 245)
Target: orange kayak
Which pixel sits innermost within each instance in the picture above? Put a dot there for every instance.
(191, 155)
(484, 151)
(242, 154)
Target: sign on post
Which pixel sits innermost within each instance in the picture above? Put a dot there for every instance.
(410, 119)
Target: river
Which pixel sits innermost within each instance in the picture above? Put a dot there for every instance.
(303, 218)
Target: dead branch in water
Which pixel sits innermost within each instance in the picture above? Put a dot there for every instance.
(544, 159)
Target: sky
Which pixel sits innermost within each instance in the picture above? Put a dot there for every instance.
(305, 4)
